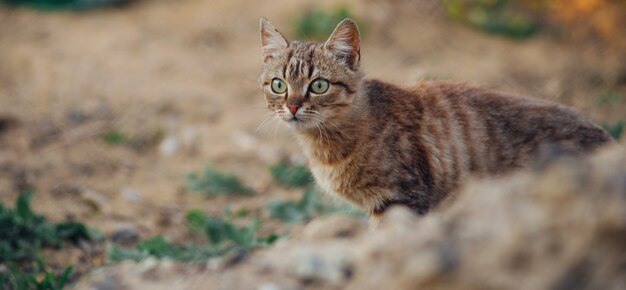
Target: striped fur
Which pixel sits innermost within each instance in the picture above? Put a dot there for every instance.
(377, 144)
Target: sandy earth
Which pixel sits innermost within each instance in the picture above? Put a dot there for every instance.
(186, 71)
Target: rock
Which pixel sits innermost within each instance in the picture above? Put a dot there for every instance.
(178, 140)
(169, 145)
(95, 200)
(559, 227)
(125, 235)
(131, 195)
(331, 227)
(269, 286)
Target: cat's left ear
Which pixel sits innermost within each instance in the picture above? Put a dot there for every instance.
(272, 41)
(344, 43)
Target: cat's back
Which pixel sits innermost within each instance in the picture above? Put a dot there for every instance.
(480, 129)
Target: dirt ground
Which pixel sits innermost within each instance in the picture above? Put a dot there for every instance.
(180, 78)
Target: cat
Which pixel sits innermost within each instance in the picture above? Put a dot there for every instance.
(377, 144)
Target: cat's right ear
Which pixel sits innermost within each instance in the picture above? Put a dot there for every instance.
(272, 41)
(344, 43)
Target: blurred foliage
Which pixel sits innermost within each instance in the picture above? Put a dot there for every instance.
(316, 23)
(223, 236)
(289, 211)
(18, 280)
(493, 16)
(616, 129)
(213, 182)
(24, 232)
(310, 205)
(63, 4)
(523, 18)
(138, 141)
(114, 137)
(158, 247)
(291, 175)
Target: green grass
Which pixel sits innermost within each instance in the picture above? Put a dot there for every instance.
(309, 206)
(18, 280)
(139, 142)
(61, 4)
(492, 16)
(304, 209)
(24, 232)
(114, 138)
(318, 24)
(291, 175)
(222, 235)
(159, 247)
(213, 182)
(616, 129)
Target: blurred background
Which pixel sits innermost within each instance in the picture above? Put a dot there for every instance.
(127, 120)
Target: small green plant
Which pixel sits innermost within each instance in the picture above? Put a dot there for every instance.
(309, 206)
(291, 175)
(63, 4)
(492, 16)
(24, 232)
(213, 182)
(16, 279)
(160, 248)
(222, 234)
(304, 209)
(225, 236)
(139, 142)
(318, 24)
(616, 129)
(114, 137)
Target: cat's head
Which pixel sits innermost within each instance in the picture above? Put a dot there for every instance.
(308, 84)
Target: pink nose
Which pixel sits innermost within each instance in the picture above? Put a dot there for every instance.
(293, 108)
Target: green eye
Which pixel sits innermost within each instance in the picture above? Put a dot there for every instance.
(319, 86)
(278, 86)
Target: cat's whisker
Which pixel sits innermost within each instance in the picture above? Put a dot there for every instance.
(316, 116)
(330, 123)
(323, 131)
(266, 120)
(264, 115)
(276, 123)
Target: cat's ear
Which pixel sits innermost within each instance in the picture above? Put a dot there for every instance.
(344, 43)
(272, 41)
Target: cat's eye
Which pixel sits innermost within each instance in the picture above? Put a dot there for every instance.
(278, 86)
(319, 86)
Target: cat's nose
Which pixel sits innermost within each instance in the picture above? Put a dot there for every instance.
(293, 108)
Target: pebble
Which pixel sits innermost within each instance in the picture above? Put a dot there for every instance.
(95, 199)
(131, 195)
(126, 234)
(169, 146)
(268, 286)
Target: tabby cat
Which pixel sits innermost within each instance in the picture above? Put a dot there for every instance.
(377, 144)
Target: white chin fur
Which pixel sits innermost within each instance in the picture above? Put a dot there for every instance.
(302, 124)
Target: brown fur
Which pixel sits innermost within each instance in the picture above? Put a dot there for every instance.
(376, 144)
